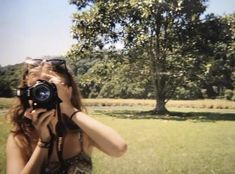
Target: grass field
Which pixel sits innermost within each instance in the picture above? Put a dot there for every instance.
(4, 129)
(158, 145)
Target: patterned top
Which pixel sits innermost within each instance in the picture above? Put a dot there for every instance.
(78, 164)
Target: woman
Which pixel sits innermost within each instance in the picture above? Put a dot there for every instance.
(59, 140)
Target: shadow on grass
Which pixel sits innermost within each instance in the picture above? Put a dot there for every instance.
(179, 116)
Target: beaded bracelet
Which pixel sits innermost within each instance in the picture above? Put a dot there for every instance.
(43, 144)
(74, 113)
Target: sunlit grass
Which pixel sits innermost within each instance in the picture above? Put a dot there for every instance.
(207, 103)
(160, 146)
(170, 147)
(4, 130)
(6, 102)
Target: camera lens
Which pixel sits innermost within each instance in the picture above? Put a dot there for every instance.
(42, 93)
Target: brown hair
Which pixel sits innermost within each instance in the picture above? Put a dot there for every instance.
(22, 127)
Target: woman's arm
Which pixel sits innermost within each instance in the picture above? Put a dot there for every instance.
(16, 163)
(103, 137)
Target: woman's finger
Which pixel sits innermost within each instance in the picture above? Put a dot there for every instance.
(46, 121)
(45, 75)
(54, 78)
(44, 116)
(35, 114)
(49, 76)
(27, 113)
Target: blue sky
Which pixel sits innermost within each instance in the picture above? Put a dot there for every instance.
(42, 27)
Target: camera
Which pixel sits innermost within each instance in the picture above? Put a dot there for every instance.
(43, 95)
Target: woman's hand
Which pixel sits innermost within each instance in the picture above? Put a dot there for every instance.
(40, 120)
(64, 91)
(16, 158)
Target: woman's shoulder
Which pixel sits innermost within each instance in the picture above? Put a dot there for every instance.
(15, 140)
(14, 150)
(16, 143)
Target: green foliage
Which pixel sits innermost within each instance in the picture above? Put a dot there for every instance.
(188, 93)
(153, 32)
(215, 48)
(229, 94)
(9, 79)
(114, 78)
(198, 52)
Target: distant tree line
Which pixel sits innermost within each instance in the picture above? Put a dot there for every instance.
(112, 74)
(9, 79)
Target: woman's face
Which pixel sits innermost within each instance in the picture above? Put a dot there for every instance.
(41, 73)
(45, 72)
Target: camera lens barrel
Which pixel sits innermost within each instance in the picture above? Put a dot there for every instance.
(42, 93)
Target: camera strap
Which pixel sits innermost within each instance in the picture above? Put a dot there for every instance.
(60, 129)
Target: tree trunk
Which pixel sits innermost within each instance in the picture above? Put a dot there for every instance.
(210, 92)
(158, 80)
(160, 107)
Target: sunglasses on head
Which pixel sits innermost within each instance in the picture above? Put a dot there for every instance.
(54, 62)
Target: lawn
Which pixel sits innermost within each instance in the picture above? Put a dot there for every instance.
(196, 145)
(158, 146)
(4, 129)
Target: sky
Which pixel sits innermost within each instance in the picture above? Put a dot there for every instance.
(30, 28)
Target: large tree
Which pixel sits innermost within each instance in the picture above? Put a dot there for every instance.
(157, 29)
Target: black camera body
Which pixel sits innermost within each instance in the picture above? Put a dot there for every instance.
(43, 95)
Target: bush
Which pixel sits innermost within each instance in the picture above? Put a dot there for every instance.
(233, 98)
(9, 79)
(229, 94)
(188, 93)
